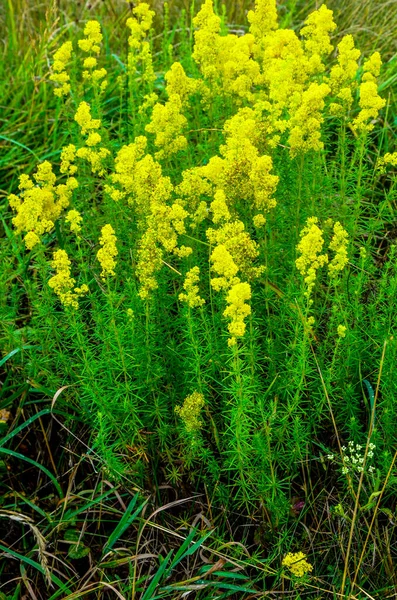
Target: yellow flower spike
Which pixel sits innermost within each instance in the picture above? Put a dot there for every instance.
(224, 266)
(305, 123)
(338, 244)
(310, 259)
(74, 219)
(39, 206)
(139, 47)
(106, 255)
(190, 411)
(219, 208)
(343, 73)
(207, 28)
(62, 282)
(192, 297)
(68, 156)
(263, 19)
(390, 158)
(93, 38)
(177, 82)
(318, 25)
(237, 310)
(61, 57)
(296, 562)
(341, 330)
(149, 263)
(84, 119)
(370, 101)
(167, 124)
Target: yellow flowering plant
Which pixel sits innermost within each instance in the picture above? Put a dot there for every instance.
(216, 217)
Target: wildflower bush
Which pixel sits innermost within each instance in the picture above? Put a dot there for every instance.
(207, 268)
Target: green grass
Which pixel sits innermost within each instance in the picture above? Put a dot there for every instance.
(105, 491)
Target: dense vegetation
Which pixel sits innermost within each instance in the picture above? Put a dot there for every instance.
(198, 280)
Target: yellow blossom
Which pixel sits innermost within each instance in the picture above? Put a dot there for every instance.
(167, 124)
(93, 38)
(310, 247)
(177, 82)
(263, 19)
(38, 206)
(318, 25)
(296, 562)
(341, 330)
(219, 207)
(61, 57)
(343, 73)
(192, 297)
(107, 253)
(139, 48)
(74, 218)
(84, 118)
(390, 158)
(305, 124)
(63, 283)
(237, 310)
(190, 411)
(370, 102)
(338, 244)
(68, 156)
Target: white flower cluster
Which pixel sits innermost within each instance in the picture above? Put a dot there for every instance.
(353, 458)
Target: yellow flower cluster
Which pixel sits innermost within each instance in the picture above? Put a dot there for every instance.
(108, 251)
(316, 33)
(390, 158)
(341, 330)
(296, 562)
(39, 206)
(263, 20)
(310, 248)
(61, 58)
(93, 39)
(68, 155)
(306, 121)
(310, 259)
(167, 123)
(225, 61)
(192, 296)
(63, 283)
(74, 219)
(92, 45)
(370, 101)
(95, 156)
(139, 47)
(190, 411)
(342, 75)
(338, 244)
(237, 310)
(243, 251)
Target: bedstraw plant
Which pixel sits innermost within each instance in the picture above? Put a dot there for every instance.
(209, 264)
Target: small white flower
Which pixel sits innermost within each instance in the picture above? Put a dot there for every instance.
(358, 447)
(360, 460)
(370, 454)
(360, 469)
(371, 469)
(354, 460)
(330, 457)
(347, 458)
(345, 470)
(343, 448)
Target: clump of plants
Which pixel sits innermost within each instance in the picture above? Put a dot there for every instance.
(208, 269)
